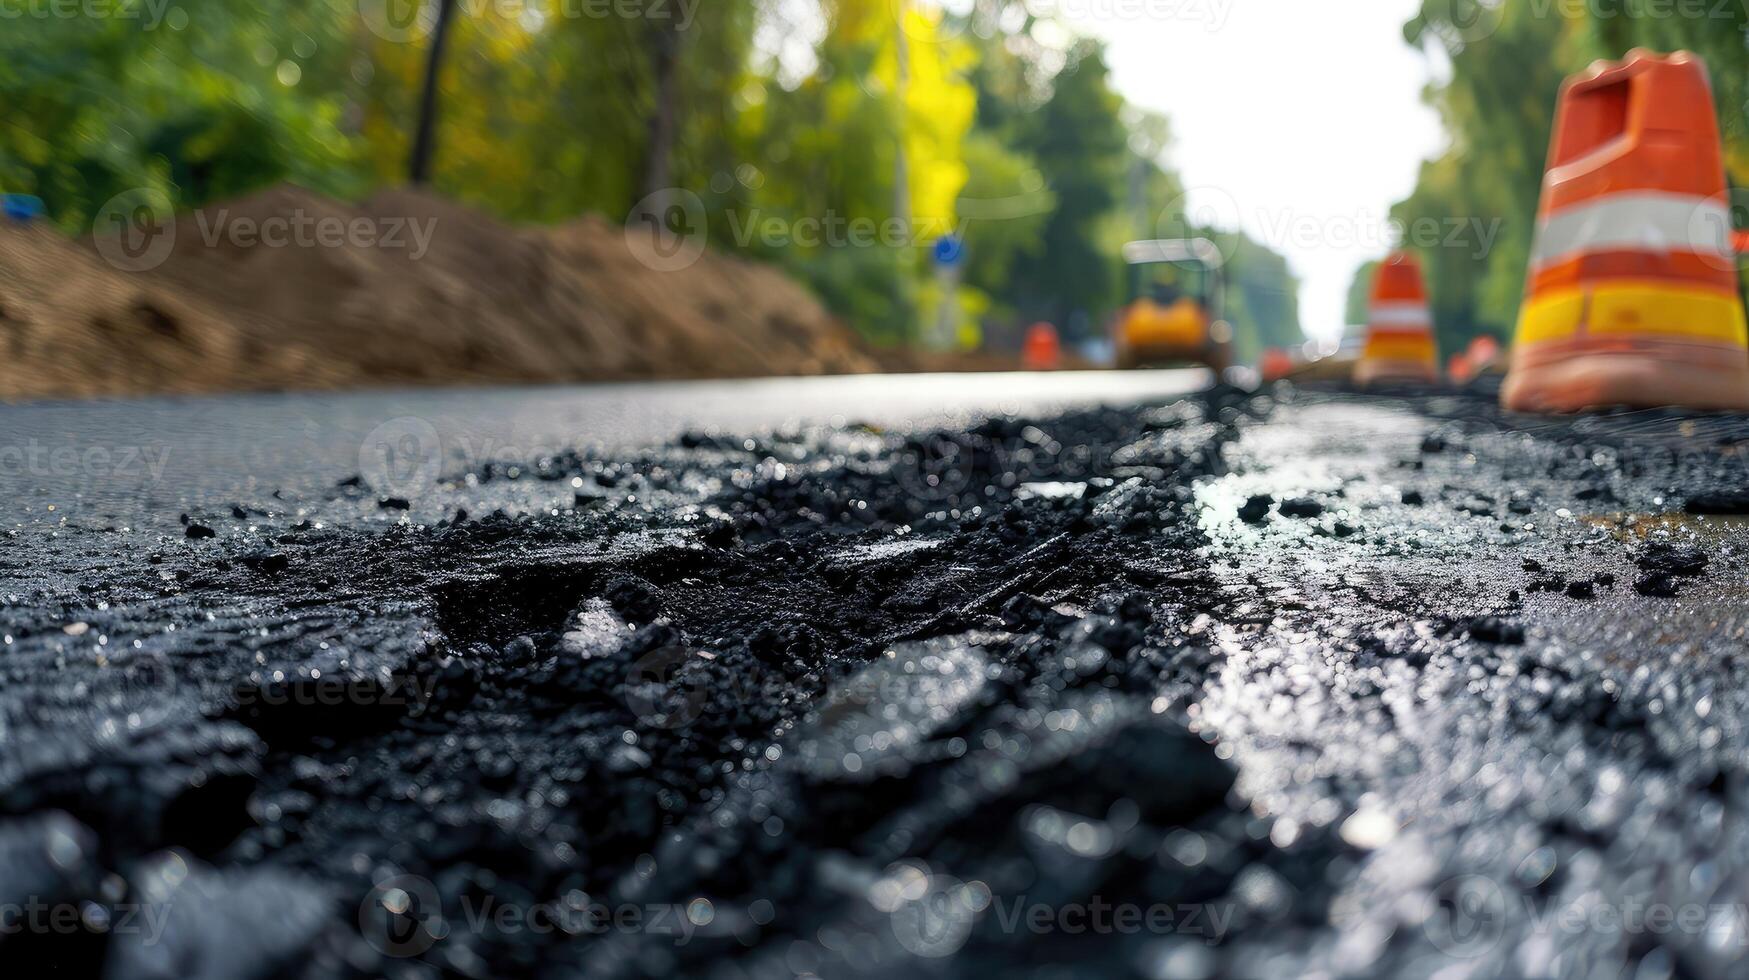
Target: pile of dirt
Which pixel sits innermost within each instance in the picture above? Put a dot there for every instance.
(72, 326)
(289, 289)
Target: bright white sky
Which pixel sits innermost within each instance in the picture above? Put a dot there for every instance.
(1302, 121)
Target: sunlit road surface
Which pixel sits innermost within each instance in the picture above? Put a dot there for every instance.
(139, 459)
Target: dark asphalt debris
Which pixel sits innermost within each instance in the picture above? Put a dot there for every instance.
(846, 702)
(1496, 629)
(1255, 509)
(1724, 502)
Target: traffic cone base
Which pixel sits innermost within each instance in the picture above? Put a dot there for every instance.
(1373, 371)
(1592, 379)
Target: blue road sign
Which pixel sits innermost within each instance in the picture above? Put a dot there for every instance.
(949, 250)
(21, 207)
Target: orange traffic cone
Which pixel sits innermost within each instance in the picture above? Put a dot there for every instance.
(1042, 350)
(1632, 293)
(1399, 328)
(1482, 351)
(1459, 368)
(1274, 364)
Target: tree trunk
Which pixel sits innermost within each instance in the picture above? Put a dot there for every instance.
(664, 116)
(425, 136)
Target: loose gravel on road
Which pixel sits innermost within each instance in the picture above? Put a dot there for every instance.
(1252, 684)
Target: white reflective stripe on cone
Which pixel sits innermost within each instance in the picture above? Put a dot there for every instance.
(1399, 315)
(1649, 222)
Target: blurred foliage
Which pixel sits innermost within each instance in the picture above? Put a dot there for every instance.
(1507, 62)
(799, 123)
(1359, 298)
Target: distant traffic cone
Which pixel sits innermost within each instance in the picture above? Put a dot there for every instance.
(1042, 350)
(1483, 351)
(1274, 364)
(1459, 368)
(1399, 327)
(1632, 293)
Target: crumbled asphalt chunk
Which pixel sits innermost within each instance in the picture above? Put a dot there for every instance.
(1255, 509)
(1433, 443)
(1412, 498)
(46, 856)
(394, 503)
(1660, 584)
(1496, 629)
(1301, 507)
(1725, 503)
(209, 925)
(266, 562)
(1581, 589)
(1682, 560)
(1477, 506)
(198, 531)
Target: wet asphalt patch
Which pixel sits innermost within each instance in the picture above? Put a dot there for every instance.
(1243, 684)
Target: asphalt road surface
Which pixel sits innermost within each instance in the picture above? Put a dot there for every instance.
(149, 457)
(1100, 677)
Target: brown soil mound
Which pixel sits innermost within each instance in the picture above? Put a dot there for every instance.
(72, 326)
(277, 290)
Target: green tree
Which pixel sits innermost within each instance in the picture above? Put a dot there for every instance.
(1080, 145)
